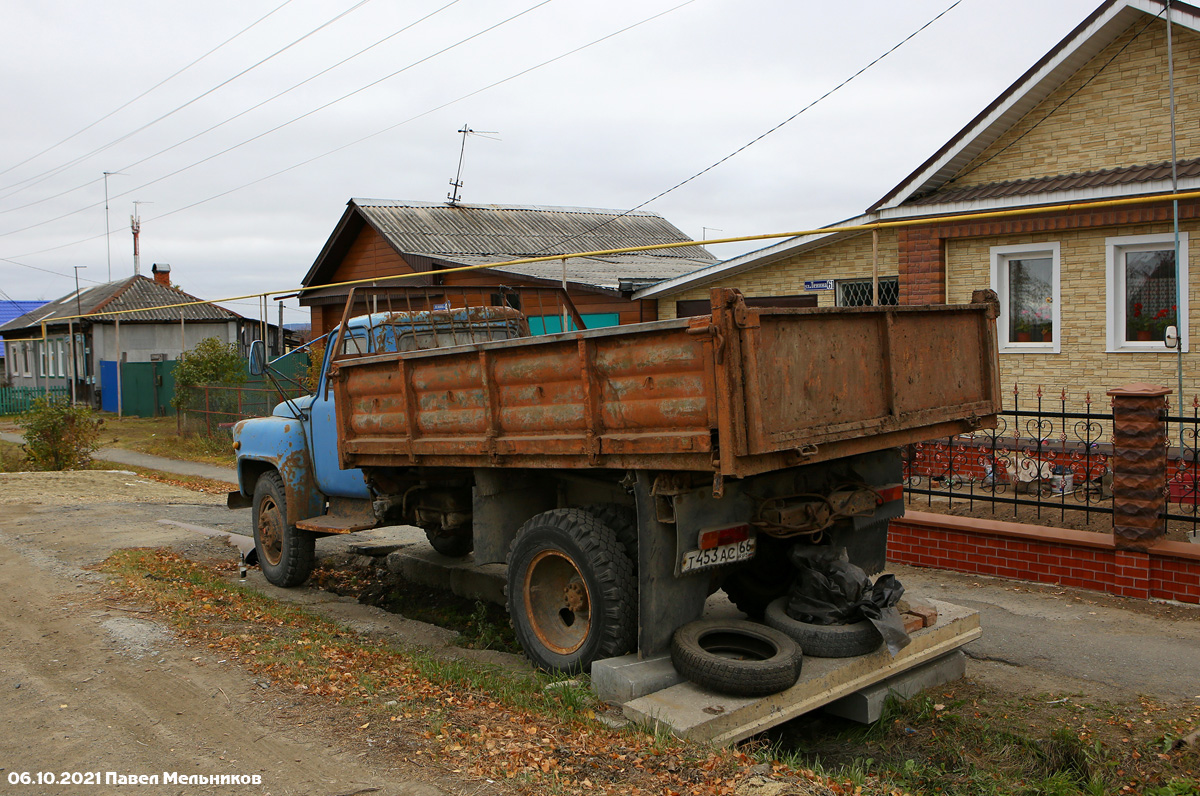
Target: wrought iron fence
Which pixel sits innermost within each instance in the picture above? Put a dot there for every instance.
(1183, 466)
(1045, 455)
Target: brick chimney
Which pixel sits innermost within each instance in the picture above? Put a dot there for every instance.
(162, 273)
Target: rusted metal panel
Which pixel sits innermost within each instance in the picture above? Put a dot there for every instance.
(742, 391)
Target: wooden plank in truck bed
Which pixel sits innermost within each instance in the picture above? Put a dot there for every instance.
(742, 391)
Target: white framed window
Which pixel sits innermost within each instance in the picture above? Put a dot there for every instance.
(62, 357)
(1026, 278)
(26, 361)
(1142, 291)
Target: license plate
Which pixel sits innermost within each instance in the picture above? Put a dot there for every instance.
(716, 556)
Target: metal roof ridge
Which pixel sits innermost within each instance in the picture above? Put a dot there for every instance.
(368, 202)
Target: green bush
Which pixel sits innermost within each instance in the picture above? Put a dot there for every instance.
(210, 362)
(59, 436)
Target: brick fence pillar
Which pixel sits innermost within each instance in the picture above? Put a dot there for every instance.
(922, 266)
(1139, 465)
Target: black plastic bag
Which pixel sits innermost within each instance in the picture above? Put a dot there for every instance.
(831, 591)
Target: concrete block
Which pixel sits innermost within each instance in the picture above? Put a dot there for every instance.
(460, 575)
(624, 679)
(866, 706)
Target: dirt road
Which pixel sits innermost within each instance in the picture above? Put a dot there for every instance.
(90, 686)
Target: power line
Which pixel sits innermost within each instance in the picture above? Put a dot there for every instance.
(52, 172)
(411, 119)
(47, 270)
(290, 121)
(389, 128)
(754, 141)
(241, 113)
(160, 83)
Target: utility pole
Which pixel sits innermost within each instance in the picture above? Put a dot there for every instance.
(457, 181)
(74, 356)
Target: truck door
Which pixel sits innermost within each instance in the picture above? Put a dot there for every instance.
(322, 435)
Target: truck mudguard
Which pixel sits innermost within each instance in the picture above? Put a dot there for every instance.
(278, 443)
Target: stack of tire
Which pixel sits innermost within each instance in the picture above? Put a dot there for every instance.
(743, 658)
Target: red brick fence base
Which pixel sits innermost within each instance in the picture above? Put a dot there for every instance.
(1083, 559)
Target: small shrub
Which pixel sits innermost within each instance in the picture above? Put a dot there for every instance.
(312, 373)
(210, 362)
(59, 435)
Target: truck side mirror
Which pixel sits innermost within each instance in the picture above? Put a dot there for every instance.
(1172, 338)
(258, 358)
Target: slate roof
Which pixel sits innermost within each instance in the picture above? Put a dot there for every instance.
(131, 293)
(1126, 175)
(482, 234)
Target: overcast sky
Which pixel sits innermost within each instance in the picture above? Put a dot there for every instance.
(609, 126)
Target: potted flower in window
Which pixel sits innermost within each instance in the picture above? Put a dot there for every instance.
(1033, 326)
(1146, 327)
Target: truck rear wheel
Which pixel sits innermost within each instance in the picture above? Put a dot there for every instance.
(572, 595)
(285, 552)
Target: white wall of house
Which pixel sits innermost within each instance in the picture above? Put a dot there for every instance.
(38, 364)
(141, 340)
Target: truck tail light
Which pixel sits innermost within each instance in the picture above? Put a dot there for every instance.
(889, 493)
(719, 537)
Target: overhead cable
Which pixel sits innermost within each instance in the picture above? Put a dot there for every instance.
(238, 115)
(157, 85)
(52, 172)
(287, 123)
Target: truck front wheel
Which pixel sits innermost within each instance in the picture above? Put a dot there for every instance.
(572, 595)
(285, 552)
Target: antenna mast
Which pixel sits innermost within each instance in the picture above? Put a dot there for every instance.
(135, 223)
(457, 183)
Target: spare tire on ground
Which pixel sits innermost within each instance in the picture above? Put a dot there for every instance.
(733, 656)
(824, 641)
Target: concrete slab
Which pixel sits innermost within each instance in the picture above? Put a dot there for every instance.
(423, 565)
(624, 679)
(866, 706)
(691, 712)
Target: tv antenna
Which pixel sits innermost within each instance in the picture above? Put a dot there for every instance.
(457, 181)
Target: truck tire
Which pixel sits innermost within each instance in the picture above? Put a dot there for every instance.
(572, 594)
(824, 641)
(284, 552)
(733, 656)
(766, 577)
(623, 521)
(454, 545)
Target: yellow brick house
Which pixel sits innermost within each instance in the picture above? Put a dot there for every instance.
(1057, 196)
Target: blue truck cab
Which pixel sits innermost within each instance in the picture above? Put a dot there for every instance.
(287, 464)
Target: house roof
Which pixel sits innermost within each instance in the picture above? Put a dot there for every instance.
(919, 193)
(131, 293)
(1126, 175)
(10, 309)
(453, 235)
(1064, 60)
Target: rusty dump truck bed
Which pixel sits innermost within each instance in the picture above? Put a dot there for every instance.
(743, 391)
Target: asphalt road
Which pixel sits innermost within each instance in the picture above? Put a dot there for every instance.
(134, 458)
(1060, 640)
